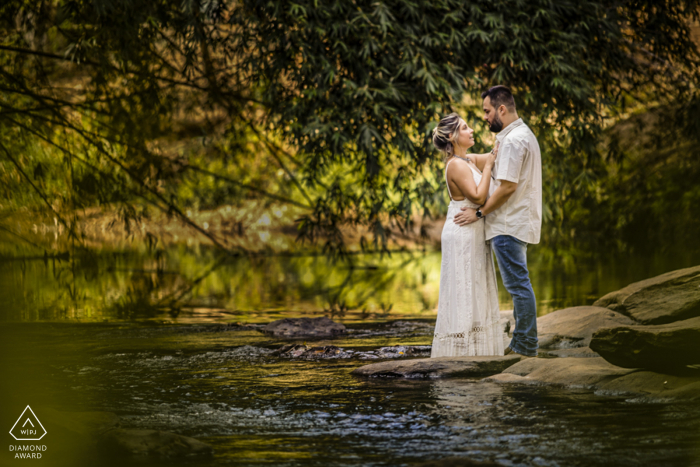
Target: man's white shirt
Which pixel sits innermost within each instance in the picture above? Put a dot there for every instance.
(518, 161)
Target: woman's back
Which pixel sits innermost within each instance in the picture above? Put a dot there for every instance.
(453, 187)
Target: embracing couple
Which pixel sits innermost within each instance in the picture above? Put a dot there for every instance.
(495, 204)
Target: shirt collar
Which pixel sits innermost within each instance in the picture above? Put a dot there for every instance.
(504, 132)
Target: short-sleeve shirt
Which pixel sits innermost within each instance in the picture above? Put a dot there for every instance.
(518, 161)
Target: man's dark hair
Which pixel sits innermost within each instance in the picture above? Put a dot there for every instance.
(500, 95)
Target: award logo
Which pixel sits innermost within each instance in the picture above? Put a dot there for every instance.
(28, 427)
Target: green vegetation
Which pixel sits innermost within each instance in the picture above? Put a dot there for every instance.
(328, 107)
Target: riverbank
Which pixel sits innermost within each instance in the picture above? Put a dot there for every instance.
(640, 341)
(253, 227)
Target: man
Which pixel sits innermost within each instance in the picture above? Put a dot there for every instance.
(513, 213)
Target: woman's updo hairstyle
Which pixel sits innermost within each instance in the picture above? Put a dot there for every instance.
(441, 134)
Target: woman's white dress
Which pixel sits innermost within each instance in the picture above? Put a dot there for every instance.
(468, 313)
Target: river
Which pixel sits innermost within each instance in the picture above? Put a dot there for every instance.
(148, 337)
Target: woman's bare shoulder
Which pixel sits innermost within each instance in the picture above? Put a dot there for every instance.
(458, 168)
(457, 165)
(479, 160)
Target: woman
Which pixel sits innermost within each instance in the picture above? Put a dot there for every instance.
(468, 314)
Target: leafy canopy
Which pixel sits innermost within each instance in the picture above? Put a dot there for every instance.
(339, 95)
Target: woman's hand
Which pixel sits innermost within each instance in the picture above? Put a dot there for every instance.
(491, 159)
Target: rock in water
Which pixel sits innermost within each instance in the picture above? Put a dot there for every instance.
(655, 384)
(566, 372)
(664, 348)
(440, 367)
(574, 327)
(599, 375)
(304, 328)
(670, 297)
(152, 443)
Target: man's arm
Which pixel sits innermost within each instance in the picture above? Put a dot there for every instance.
(497, 199)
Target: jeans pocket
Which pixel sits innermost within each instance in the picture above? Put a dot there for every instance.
(520, 242)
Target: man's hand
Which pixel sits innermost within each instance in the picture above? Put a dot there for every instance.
(467, 216)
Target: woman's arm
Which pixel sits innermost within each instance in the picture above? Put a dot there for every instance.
(461, 175)
(480, 159)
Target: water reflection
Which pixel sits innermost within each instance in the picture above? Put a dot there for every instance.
(199, 285)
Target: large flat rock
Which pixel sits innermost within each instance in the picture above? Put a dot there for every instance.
(601, 376)
(670, 297)
(663, 348)
(574, 327)
(654, 384)
(441, 367)
(567, 372)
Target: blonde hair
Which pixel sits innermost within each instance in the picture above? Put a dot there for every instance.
(449, 125)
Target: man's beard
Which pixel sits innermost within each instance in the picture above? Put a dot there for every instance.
(496, 125)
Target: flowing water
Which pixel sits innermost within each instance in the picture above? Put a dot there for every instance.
(151, 338)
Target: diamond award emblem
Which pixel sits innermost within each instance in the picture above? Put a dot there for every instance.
(28, 427)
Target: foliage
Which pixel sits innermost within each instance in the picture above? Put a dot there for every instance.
(340, 96)
(651, 197)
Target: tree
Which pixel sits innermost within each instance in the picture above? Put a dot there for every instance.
(342, 95)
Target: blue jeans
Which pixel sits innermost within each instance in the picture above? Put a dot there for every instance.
(512, 262)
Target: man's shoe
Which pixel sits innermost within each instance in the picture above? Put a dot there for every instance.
(511, 351)
(525, 356)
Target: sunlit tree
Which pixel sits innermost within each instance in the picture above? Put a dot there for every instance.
(325, 105)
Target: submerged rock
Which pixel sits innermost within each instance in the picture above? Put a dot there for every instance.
(331, 351)
(244, 352)
(441, 367)
(574, 327)
(664, 348)
(152, 443)
(304, 351)
(399, 351)
(670, 297)
(304, 328)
